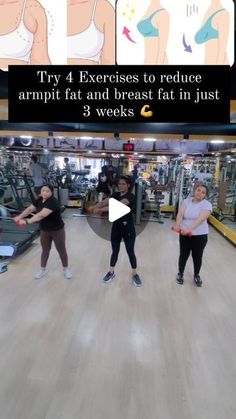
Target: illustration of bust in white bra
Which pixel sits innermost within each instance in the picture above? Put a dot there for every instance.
(23, 33)
(154, 27)
(214, 33)
(91, 32)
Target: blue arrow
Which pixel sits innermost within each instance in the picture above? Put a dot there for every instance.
(187, 48)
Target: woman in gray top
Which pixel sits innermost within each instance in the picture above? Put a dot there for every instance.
(191, 222)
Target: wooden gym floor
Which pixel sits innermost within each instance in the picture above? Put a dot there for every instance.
(81, 349)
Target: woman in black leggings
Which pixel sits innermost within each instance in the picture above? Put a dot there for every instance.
(48, 214)
(192, 222)
(123, 228)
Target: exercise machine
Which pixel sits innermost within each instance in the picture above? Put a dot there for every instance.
(14, 241)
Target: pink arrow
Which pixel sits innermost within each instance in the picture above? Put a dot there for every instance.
(126, 32)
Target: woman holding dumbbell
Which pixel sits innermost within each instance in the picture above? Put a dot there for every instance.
(191, 224)
(48, 214)
(122, 228)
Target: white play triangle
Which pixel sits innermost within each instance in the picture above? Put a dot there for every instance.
(117, 210)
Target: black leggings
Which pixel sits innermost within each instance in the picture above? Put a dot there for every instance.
(194, 244)
(46, 239)
(127, 233)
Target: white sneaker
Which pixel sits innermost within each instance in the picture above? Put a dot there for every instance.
(40, 273)
(67, 273)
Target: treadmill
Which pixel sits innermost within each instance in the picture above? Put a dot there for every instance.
(13, 240)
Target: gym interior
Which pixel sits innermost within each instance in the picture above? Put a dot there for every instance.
(80, 348)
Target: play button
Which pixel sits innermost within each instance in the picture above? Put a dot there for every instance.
(117, 210)
(101, 221)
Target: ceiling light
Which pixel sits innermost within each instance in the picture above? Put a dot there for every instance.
(149, 139)
(217, 141)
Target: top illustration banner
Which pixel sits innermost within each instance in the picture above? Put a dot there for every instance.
(174, 57)
(123, 32)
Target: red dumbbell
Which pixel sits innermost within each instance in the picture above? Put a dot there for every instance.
(21, 223)
(187, 233)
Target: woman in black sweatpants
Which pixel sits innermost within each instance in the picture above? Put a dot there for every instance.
(48, 215)
(123, 228)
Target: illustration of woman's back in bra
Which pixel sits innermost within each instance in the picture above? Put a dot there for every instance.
(23, 33)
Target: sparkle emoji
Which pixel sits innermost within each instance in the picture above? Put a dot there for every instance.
(146, 112)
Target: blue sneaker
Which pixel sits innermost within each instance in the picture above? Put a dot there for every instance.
(137, 280)
(108, 277)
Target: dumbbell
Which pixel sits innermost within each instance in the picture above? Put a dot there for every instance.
(21, 223)
(100, 213)
(182, 232)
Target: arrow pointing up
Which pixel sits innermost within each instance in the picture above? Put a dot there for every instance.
(126, 32)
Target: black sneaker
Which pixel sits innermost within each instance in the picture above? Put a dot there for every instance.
(197, 280)
(137, 280)
(108, 277)
(180, 278)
